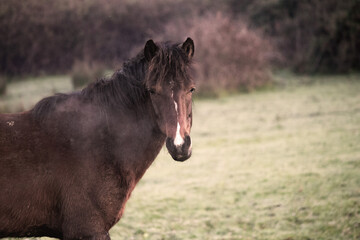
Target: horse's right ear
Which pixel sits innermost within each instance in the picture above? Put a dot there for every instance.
(150, 50)
(188, 47)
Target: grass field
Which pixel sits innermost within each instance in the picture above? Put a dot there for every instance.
(277, 164)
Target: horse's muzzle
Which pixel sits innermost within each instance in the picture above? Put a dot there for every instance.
(181, 152)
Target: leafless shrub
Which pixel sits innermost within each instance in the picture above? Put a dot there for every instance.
(229, 56)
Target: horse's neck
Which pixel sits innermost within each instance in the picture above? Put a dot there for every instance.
(137, 141)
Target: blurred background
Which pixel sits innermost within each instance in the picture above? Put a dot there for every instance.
(238, 43)
(277, 112)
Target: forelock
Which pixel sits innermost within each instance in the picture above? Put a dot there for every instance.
(169, 64)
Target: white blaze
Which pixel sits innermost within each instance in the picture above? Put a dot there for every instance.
(178, 141)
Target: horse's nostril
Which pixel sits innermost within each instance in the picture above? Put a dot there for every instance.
(170, 143)
(187, 143)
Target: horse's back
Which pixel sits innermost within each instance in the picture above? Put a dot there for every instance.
(14, 128)
(23, 173)
(20, 137)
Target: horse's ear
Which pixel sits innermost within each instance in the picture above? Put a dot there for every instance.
(188, 47)
(150, 50)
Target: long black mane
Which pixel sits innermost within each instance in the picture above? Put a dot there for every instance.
(126, 88)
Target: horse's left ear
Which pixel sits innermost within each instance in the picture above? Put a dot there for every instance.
(188, 47)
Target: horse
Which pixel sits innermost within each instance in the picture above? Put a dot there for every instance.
(69, 165)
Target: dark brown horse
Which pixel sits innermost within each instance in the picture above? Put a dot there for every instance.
(68, 166)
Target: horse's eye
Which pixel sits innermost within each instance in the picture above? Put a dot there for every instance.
(192, 90)
(151, 91)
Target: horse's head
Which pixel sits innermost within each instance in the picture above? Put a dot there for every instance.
(170, 88)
